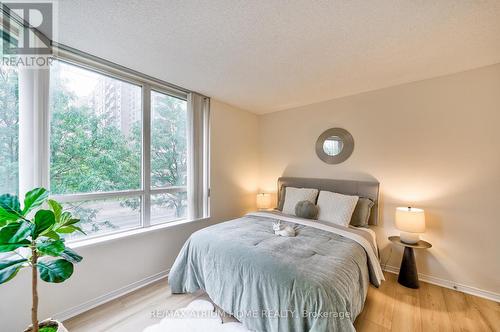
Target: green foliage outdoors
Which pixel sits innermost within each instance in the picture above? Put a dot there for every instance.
(9, 127)
(90, 154)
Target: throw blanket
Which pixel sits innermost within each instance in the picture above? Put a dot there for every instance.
(315, 281)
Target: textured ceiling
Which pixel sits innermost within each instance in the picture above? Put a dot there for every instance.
(266, 55)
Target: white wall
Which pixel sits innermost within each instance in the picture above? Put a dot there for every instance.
(235, 166)
(433, 144)
(109, 266)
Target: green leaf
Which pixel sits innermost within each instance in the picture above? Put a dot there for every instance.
(72, 222)
(34, 198)
(48, 329)
(65, 218)
(10, 209)
(69, 255)
(10, 203)
(15, 232)
(44, 220)
(9, 269)
(79, 229)
(65, 230)
(70, 229)
(50, 247)
(8, 247)
(55, 271)
(52, 235)
(56, 208)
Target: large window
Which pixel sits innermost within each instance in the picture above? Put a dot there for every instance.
(168, 157)
(95, 132)
(97, 167)
(119, 150)
(96, 147)
(9, 127)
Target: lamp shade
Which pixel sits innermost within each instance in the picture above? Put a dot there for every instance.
(263, 201)
(410, 220)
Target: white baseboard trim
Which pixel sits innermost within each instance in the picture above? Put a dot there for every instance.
(71, 312)
(450, 284)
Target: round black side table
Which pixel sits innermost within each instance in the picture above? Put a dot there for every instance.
(408, 275)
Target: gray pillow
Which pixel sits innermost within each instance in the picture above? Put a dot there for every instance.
(282, 198)
(306, 209)
(361, 214)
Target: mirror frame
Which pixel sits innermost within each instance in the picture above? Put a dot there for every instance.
(348, 145)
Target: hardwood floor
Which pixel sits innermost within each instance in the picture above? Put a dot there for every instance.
(391, 307)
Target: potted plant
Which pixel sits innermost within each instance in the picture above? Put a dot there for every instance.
(33, 237)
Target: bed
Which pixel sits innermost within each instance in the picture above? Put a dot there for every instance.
(315, 281)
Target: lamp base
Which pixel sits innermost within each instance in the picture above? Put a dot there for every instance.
(410, 238)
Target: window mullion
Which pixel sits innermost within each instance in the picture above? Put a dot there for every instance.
(146, 155)
(65, 198)
(173, 189)
(42, 87)
(33, 128)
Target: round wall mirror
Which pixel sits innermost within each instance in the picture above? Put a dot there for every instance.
(334, 145)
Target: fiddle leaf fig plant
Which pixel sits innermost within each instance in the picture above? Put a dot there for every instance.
(33, 237)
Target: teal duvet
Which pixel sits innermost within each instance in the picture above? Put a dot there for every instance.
(315, 281)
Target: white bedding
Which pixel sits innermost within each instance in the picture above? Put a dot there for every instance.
(372, 234)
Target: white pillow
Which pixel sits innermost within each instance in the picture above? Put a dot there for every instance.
(295, 195)
(336, 208)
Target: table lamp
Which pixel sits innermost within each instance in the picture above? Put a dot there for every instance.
(411, 222)
(263, 201)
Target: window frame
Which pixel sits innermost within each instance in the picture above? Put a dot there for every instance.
(146, 191)
(39, 174)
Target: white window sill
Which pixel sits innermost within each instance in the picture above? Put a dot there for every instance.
(127, 233)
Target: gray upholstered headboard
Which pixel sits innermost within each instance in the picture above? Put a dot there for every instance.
(368, 189)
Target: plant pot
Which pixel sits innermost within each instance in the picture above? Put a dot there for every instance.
(49, 323)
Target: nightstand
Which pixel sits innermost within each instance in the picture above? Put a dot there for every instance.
(408, 275)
